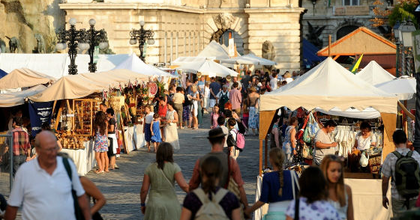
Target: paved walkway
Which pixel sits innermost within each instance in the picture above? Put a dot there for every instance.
(122, 187)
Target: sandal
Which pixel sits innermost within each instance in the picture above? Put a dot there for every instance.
(99, 172)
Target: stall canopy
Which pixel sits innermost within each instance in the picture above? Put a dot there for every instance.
(135, 64)
(18, 98)
(208, 67)
(82, 85)
(374, 74)
(309, 54)
(2, 73)
(368, 113)
(250, 59)
(184, 60)
(214, 51)
(403, 87)
(20, 78)
(326, 86)
(56, 65)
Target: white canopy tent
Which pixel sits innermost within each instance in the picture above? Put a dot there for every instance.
(185, 60)
(374, 74)
(326, 86)
(214, 51)
(82, 85)
(403, 87)
(250, 59)
(208, 67)
(18, 98)
(24, 77)
(368, 113)
(56, 65)
(135, 64)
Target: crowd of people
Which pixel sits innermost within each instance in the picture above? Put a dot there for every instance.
(216, 188)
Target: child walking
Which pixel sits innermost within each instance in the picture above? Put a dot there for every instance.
(147, 128)
(155, 130)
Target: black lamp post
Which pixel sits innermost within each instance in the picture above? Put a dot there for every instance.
(416, 143)
(142, 36)
(95, 38)
(313, 6)
(75, 39)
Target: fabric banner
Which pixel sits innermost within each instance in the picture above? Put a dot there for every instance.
(39, 112)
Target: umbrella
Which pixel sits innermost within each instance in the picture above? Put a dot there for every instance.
(403, 87)
(209, 68)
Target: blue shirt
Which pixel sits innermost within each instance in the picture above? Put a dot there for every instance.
(271, 185)
(215, 87)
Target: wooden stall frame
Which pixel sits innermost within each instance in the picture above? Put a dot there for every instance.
(266, 117)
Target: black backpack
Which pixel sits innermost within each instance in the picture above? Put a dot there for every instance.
(407, 176)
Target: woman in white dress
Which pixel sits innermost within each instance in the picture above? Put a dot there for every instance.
(170, 130)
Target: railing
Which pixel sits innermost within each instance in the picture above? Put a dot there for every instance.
(6, 165)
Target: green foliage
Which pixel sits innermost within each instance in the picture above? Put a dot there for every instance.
(402, 12)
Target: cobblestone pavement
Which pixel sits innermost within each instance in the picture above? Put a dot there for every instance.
(121, 187)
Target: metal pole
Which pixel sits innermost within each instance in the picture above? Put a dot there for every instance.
(92, 43)
(11, 160)
(416, 143)
(397, 69)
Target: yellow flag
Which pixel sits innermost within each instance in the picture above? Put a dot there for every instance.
(355, 67)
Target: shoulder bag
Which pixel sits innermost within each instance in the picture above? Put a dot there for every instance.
(77, 210)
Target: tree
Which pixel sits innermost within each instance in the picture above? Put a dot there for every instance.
(401, 11)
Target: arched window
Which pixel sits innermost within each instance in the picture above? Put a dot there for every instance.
(345, 30)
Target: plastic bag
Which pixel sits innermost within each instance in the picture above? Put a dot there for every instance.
(364, 160)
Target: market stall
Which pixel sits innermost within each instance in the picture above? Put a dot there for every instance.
(329, 86)
(20, 78)
(76, 100)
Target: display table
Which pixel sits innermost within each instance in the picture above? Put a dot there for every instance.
(367, 199)
(84, 159)
(129, 138)
(139, 136)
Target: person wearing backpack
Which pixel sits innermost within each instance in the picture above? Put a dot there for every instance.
(223, 97)
(210, 202)
(405, 186)
(235, 140)
(231, 170)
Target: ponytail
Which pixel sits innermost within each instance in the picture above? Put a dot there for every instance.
(211, 168)
(277, 158)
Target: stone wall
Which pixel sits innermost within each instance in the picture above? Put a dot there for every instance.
(24, 19)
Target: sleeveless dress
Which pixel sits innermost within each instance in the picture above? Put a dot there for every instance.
(156, 131)
(342, 211)
(163, 202)
(171, 132)
(287, 145)
(101, 142)
(253, 114)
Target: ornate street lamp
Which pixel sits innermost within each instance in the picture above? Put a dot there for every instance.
(95, 38)
(74, 38)
(142, 36)
(404, 36)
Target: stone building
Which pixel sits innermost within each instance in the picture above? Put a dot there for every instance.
(336, 18)
(184, 27)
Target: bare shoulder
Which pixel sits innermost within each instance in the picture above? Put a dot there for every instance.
(348, 189)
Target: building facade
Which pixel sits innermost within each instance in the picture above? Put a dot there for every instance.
(337, 18)
(184, 27)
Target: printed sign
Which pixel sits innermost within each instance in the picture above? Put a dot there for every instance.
(39, 113)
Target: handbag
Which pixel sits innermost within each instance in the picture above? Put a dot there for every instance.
(77, 210)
